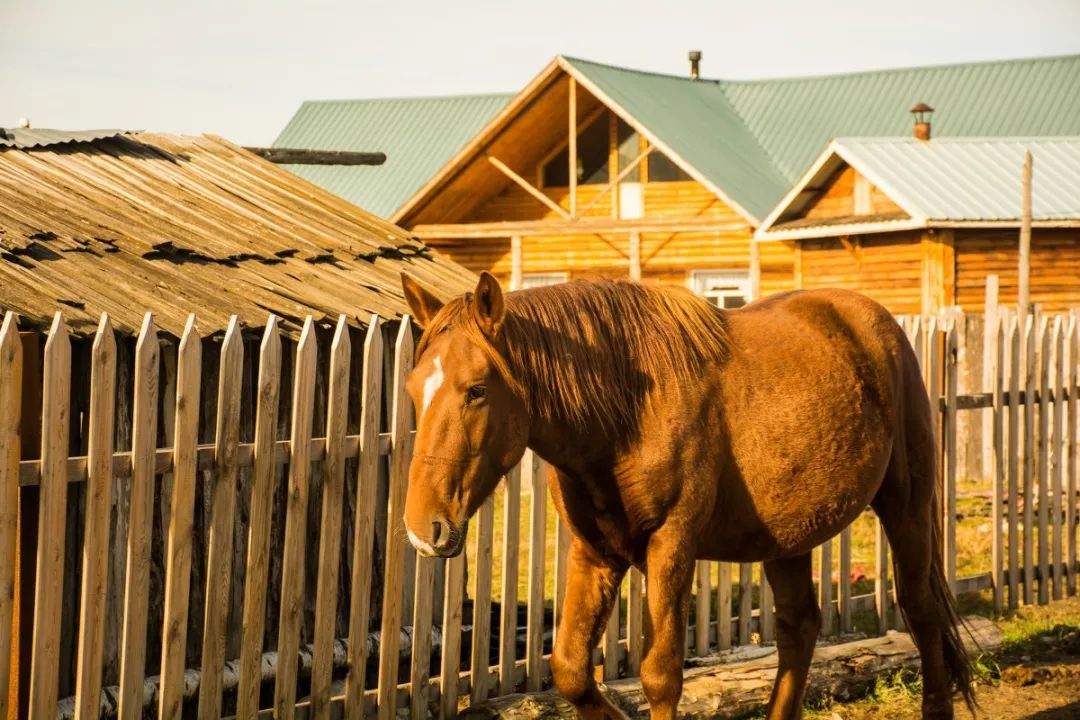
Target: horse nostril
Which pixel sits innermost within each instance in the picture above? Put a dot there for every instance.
(436, 532)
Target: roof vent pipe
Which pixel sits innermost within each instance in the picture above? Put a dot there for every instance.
(695, 64)
(921, 114)
(24, 122)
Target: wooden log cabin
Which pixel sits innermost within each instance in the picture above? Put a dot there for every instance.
(593, 169)
(918, 224)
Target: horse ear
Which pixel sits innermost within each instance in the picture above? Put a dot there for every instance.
(488, 304)
(422, 304)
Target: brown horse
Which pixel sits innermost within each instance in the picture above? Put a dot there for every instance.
(676, 432)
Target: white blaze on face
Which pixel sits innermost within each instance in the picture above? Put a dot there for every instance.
(432, 384)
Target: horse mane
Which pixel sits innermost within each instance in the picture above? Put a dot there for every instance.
(589, 352)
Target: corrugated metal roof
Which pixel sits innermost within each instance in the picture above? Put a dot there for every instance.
(970, 179)
(418, 135)
(753, 139)
(178, 224)
(24, 138)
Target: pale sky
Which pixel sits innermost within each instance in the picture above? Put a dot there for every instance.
(241, 69)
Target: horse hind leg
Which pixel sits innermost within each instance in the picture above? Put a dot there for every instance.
(908, 507)
(798, 621)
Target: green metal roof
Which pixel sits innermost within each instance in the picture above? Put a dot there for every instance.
(753, 139)
(418, 135)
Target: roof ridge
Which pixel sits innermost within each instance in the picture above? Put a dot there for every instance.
(960, 138)
(416, 98)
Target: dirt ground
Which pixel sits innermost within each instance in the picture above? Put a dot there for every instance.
(1034, 676)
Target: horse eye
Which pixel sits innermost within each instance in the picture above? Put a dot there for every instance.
(476, 392)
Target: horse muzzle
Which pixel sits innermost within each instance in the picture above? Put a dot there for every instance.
(446, 540)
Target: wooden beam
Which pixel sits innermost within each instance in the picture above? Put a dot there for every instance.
(527, 187)
(1023, 299)
(298, 156)
(515, 262)
(755, 270)
(618, 179)
(572, 147)
(613, 161)
(581, 226)
(635, 255)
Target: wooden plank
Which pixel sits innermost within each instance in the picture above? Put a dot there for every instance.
(329, 562)
(401, 423)
(481, 620)
(702, 610)
(96, 533)
(881, 576)
(258, 548)
(949, 431)
(450, 661)
(140, 522)
(825, 589)
(991, 333)
(844, 580)
(420, 657)
(571, 154)
(767, 626)
(1028, 363)
(1042, 359)
(1057, 380)
(1072, 496)
(367, 479)
(178, 553)
(296, 509)
(55, 408)
(305, 156)
(723, 605)
(11, 379)
(635, 636)
(534, 645)
(746, 601)
(528, 187)
(994, 371)
(219, 552)
(1013, 341)
(516, 262)
(510, 548)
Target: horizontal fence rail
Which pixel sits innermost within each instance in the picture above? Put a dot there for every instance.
(218, 524)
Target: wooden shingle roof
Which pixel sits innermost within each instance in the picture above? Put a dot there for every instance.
(180, 224)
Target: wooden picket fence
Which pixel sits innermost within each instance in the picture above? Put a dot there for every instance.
(1034, 516)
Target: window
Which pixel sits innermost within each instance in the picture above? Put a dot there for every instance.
(629, 149)
(662, 169)
(592, 161)
(723, 288)
(531, 280)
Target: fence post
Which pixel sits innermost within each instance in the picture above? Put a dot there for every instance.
(993, 369)
(844, 580)
(702, 609)
(508, 616)
(1013, 339)
(1028, 364)
(949, 447)
(991, 333)
(825, 589)
(10, 405)
(1042, 357)
(481, 633)
(723, 605)
(533, 471)
(1057, 379)
(1072, 352)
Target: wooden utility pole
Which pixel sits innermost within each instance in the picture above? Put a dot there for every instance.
(1023, 300)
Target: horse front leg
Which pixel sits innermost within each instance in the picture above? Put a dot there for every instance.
(592, 584)
(669, 572)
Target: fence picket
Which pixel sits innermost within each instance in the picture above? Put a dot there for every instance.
(292, 567)
(55, 408)
(634, 631)
(1042, 359)
(1013, 341)
(140, 521)
(179, 544)
(994, 371)
(1072, 497)
(825, 589)
(450, 661)
(534, 644)
(844, 580)
(508, 606)
(420, 657)
(367, 479)
(1029, 367)
(881, 576)
(96, 533)
(746, 601)
(611, 640)
(11, 379)
(219, 553)
(481, 639)
(394, 570)
(258, 547)
(723, 605)
(702, 609)
(329, 559)
(767, 624)
(1057, 380)
(949, 447)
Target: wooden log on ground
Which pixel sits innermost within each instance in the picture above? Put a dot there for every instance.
(739, 681)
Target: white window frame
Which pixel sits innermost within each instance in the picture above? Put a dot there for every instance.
(699, 281)
(541, 279)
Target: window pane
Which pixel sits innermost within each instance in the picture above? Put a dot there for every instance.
(662, 169)
(628, 151)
